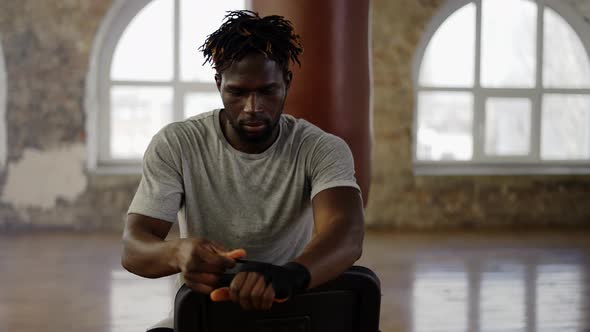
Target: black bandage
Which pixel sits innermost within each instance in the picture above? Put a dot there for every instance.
(287, 280)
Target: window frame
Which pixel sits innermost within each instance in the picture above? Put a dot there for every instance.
(97, 101)
(3, 91)
(499, 165)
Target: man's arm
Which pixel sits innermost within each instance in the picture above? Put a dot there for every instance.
(148, 254)
(339, 232)
(339, 229)
(336, 245)
(145, 252)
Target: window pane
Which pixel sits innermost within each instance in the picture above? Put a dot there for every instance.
(137, 113)
(144, 51)
(565, 128)
(201, 102)
(559, 298)
(444, 126)
(449, 58)
(508, 126)
(508, 43)
(440, 299)
(502, 298)
(565, 61)
(198, 19)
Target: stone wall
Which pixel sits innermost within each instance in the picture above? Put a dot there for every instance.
(47, 47)
(400, 199)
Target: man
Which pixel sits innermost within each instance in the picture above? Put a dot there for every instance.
(247, 180)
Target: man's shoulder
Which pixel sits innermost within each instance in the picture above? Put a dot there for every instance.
(302, 128)
(196, 123)
(206, 117)
(309, 135)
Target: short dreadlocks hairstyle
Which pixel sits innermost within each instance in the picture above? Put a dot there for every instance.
(244, 32)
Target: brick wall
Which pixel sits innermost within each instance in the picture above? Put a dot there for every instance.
(47, 47)
(400, 199)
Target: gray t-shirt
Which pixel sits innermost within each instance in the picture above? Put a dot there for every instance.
(259, 202)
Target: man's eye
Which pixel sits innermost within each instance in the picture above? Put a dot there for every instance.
(268, 91)
(236, 92)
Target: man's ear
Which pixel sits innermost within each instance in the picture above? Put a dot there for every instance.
(288, 78)
(218, 81)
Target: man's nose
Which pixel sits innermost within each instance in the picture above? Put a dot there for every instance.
(251, 103)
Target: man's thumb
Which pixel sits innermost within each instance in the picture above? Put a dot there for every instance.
(220, 294)
(236, 253)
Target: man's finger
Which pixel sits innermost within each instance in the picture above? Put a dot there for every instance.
(257, 293)
(208, 256)
(215, 247)
(223, 294)
(245, 293)
(236, 254)
(268, 297)
(200, 288)
(205, 268)
(235, 286)
(201, 278)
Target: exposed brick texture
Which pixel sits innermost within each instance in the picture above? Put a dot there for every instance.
(398, 198)
(47, 47)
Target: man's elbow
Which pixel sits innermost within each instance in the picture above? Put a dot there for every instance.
(356, 248)
(358, 243)
(132, 265)
(126, 261)
(358, 253)
(355, 253)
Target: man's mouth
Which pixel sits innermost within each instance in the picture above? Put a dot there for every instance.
(254, 126)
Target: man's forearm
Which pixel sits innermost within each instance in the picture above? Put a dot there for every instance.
(147, 255)
(332, 251)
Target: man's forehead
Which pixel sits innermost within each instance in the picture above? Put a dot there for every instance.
(253, 64)
(250, 83)
(257, 75)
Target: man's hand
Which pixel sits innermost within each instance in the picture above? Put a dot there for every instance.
(202, 262)
(258, 285)
(250, 291)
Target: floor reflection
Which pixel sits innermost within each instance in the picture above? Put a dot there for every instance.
(476, 282)
(137, 303)
(492, 295)
(559, 298)
(502, 300)
(440, 295)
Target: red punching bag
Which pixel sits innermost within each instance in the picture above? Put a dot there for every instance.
(332, 89)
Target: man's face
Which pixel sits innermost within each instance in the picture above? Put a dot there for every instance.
(253, 91)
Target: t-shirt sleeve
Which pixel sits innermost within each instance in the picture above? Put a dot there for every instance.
(332, 165)
(160, 192)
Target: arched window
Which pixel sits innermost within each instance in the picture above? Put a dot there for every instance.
(146, 71)
(503, 87)
(2, 110)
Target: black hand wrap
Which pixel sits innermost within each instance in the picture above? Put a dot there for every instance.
(287, 280)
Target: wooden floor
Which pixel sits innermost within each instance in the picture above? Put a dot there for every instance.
(452, 282)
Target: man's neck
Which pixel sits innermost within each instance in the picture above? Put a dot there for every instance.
(239, 143)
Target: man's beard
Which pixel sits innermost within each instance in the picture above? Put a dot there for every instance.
(260, 137)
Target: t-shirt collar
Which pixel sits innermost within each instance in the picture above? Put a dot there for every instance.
(239, 153)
